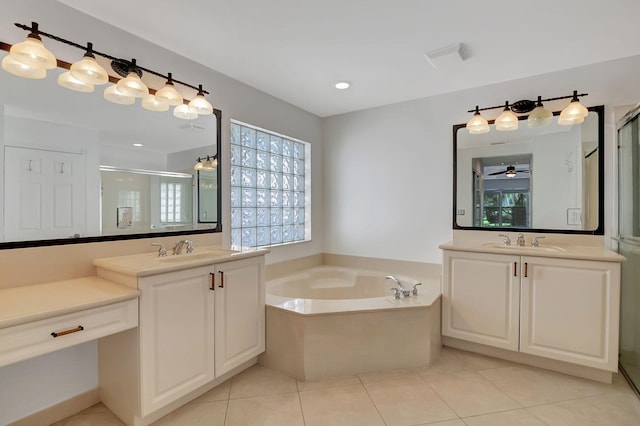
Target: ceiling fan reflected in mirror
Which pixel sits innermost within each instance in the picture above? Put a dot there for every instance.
(509, 172)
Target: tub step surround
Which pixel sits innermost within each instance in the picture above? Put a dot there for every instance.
(330, 321)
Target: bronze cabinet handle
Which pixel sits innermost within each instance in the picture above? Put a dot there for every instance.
(525, 269)
(221, 279)
(515, 269)
(213, 281)
(72, 330)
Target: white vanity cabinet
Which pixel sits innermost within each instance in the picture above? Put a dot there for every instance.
(557, 308)
(176, 335)
(570, 309)
(239, 313)
(481, 298)
(200, 324)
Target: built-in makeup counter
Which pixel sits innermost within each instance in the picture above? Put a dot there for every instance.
(42, 318)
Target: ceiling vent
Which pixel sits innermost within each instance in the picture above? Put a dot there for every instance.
(447, 57)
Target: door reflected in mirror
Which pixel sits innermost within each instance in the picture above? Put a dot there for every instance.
(544, 179)
(68, 157)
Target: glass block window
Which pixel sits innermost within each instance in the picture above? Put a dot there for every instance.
(269, 187)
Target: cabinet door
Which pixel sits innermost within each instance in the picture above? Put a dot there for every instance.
(570, 311)
(176, 335)
(481, 298)
(239, 312)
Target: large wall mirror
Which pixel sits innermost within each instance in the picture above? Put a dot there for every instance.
(541, 179)
(77, 168)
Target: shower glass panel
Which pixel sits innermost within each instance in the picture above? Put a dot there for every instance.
(629, 246)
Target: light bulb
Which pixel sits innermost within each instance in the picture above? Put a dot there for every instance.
(199, 165)
(112, 94)
(184, 112)
(478, 124)
(67, 81)
(14, 67)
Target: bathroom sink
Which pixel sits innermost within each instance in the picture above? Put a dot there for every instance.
(539, 249)
(208, 254)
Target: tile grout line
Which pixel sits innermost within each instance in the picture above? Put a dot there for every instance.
(372, 401)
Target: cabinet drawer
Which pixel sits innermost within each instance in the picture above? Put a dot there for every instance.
(25, 341)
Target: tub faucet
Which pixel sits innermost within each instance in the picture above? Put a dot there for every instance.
(507, 240)
(405, 293)
(520, 240)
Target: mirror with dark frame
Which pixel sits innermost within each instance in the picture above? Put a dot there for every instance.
(77, 168)
(540, 179)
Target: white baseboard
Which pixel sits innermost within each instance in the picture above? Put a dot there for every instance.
(60, 411)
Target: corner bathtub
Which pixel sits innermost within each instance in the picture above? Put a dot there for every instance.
(333, 321)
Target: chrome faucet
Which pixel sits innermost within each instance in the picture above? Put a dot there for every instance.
(405, 292)
(162, 251)
(535, 242)
(507, 240)
(520, 240)
(177, 249)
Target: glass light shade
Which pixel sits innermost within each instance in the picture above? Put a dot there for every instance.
(131, 85)
(170, 95)
(199, 165)
(152, 103)
(184, 112)
(507, 121)
(33, 53)
(210, 164)
(201, 106)
(478, 124)
(89, 71)
(67, 81)
(540, 116)
(14, 67)
(112, 94)
(510, 174)
(573, 114)
(570, 120)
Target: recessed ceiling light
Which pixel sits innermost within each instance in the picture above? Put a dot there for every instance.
(138, 144)
(342, 85)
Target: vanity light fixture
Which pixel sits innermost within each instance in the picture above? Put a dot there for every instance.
(88, 70)
(132, 85)
(68, 81)
(14, 67)
(540, 116)
(507, 121)
(208, 163)
(478, 124)
(575, 113)
(31, 59)
(112, 94)
(169, 93)
(32, 52)
(200, 105)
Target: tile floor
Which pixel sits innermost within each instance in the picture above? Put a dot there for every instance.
(460, 389)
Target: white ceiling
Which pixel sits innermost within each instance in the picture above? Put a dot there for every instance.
(296, 50)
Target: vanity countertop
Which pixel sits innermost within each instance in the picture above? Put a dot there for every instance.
(140, 265)
(598, 253)
(21, 305)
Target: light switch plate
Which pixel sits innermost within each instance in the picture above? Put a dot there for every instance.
(574, 216)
